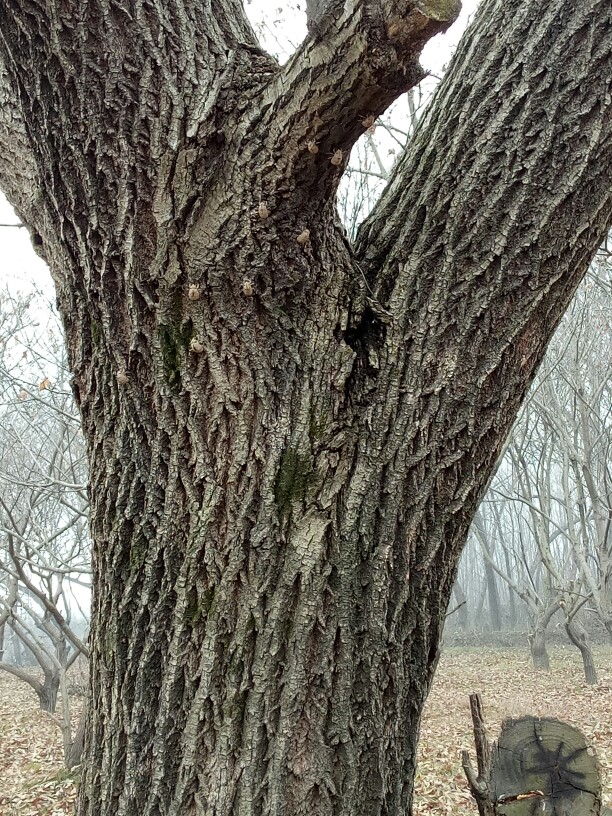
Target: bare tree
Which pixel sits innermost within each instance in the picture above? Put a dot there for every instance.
(553, 485)
(289, 433)
(44, 542)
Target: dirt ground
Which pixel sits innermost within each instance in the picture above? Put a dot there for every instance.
(33, 782)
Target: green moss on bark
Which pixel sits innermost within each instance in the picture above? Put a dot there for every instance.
(318, 424)
(198, 606)
(173, 338)
(294, 478)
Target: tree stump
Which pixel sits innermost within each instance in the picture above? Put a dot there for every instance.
(539, 765)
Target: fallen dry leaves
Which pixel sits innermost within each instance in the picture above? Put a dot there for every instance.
(509, 688)
(33, 782)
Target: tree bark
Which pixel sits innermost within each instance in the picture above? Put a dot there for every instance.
(578, 636)
(47, 694)
(288, 436)
(537, 637)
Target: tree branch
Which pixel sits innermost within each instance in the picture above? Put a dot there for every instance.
(22, 674)
(475, 181)
(361, 57)
(487, 226)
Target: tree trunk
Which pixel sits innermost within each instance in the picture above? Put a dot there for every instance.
(512, 619)
(462, 607)
(47, 692)
(537, 645)
(537, 637)
(74, 755)
(288, 436)
(494, 611)
(578, 636)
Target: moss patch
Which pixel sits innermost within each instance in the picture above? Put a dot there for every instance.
(193, 612)
(198, 606)
(173, 338)
(294, 478)
(318, 423)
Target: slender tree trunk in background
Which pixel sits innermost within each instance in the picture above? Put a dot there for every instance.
(462, 608)
(511, 599)
(494, 611)
(578, 636)
(537, 637)
(19, 651)
(47, 695)
(75, 753)
(288, 436)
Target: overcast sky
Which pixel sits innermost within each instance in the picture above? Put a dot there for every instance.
(286, 25)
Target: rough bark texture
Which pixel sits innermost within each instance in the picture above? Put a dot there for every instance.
(288, 439)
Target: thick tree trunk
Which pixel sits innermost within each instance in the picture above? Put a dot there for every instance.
(288, 436)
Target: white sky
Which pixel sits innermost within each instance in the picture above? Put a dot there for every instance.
(20, 267)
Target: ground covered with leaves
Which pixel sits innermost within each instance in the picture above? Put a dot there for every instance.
(34, 783)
